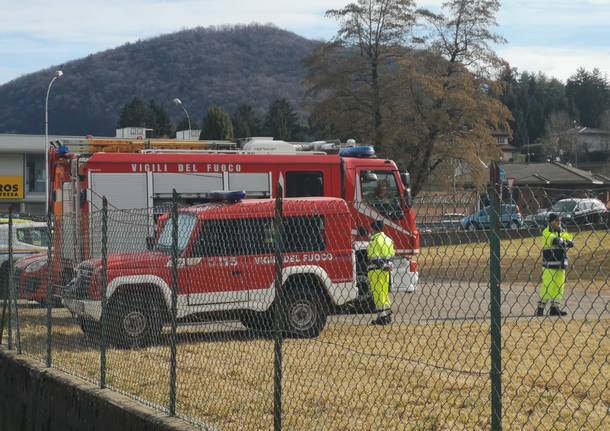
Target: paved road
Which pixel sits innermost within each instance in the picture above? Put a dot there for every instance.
(446, 300)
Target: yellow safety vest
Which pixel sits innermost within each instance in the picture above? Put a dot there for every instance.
(380, 247)
(554, 251)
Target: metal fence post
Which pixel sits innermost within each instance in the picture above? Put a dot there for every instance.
(9, 279)
(495, 299)
(172, 370)
(48, 358)
(104, 279)
(277, 310)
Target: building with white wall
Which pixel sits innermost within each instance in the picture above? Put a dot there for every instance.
(22, 172)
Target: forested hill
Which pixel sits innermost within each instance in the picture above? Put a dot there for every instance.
(227, 66)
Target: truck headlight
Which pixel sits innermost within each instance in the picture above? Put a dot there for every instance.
(35, 266)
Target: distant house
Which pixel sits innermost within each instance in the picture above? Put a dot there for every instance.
(539, 185)
(503, 141)
(588, 139)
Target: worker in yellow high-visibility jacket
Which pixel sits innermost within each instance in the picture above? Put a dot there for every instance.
(556, 242)
(380, 253)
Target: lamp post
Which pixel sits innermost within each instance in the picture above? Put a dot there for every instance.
(58, 74)
(179, 103)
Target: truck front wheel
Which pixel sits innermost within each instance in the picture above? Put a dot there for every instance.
(133, 321)
(303, 313)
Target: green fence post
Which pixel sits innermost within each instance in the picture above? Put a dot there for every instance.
(48, 358)
(104, 289)
(172, 370)
(277, 310)
(14, 290)
(495, 299)
(9, 279)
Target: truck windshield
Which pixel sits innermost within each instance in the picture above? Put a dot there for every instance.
(186, 224)
(379, 189)
(33, 235)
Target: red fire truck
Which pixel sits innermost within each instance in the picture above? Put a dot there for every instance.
(226, 269)
(139, 183)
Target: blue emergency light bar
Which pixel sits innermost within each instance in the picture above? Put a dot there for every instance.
(363, 152)
(63, 149)
(222, 196)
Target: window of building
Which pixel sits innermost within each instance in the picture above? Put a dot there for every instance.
(35, 175)
(304, 184)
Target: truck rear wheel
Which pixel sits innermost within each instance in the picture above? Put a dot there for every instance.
(133, 321)
(90, 328)
(304, 313)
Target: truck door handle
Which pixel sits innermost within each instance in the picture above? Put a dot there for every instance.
(236, 273)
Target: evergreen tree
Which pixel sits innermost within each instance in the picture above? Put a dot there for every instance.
(183, 124)
(217, 125)
(589, 93)
(532, 100)
(245, 123)
(134, 114)
(159, 121)
(282, 122)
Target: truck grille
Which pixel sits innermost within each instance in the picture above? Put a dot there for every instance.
(83, 281)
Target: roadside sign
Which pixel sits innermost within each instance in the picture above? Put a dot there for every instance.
(11, 187)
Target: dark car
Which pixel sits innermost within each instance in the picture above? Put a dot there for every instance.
(573, 211)
(510, 218)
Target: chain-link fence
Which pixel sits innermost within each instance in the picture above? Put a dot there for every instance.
(261, 314)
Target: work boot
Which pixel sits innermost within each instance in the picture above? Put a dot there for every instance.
(540, 311)
(382, 320)
(556, 311)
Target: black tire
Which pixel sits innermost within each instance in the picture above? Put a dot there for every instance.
(134, 320)
(304, 313)
(90, 328)
(257, 321)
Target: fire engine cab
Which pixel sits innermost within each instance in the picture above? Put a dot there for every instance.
(226, 268)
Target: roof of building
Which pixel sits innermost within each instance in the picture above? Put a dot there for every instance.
(587, 131)
(553, 173)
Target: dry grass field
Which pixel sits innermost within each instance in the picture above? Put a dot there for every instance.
(411, 376)
(520, 258)
(420, 376)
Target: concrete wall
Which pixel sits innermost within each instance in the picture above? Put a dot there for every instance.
(34, 398)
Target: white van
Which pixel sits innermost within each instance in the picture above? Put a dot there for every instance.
(28, 238)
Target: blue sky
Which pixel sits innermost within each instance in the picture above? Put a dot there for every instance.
(553, 36)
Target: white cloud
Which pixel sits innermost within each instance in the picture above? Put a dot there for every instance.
(115, 22)
(551, 35)
(560, 63)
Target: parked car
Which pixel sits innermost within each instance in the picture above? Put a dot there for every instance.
(573, 211)
(451, 221)
(510, 218)
(27, 238)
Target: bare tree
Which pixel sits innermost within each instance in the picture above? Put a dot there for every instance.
(560, 136)
(462, 34)
(376, 29)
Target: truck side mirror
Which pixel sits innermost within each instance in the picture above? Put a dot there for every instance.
(405, 177)
(150, 242)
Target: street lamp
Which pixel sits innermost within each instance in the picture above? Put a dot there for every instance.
(179, 103)
(58, 74)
